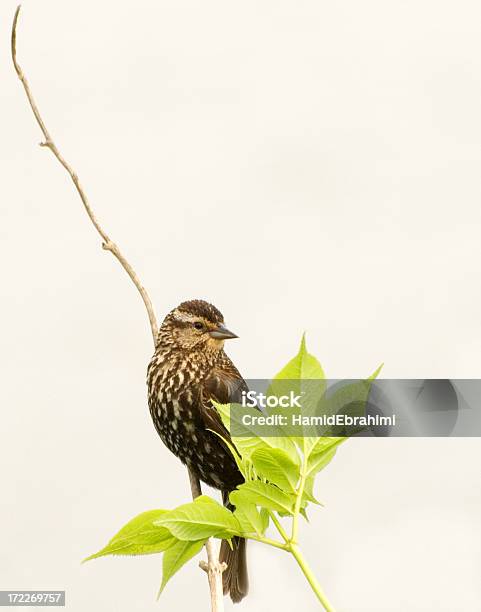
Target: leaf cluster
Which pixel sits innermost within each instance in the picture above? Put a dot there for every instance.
(279, 473)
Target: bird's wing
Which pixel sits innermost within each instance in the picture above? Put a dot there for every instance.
(223, 385)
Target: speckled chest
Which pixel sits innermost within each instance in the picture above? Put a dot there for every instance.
(174, 402)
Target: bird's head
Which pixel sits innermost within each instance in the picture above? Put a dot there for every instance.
(195, 325)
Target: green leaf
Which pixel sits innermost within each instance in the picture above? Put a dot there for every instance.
(322, 453)
(265, 518)
(200, 519)
(265, 495)
(247, 514)
(140, 536)
(241, 464)
(304, 376)
(308, 493)
(277, 467)
(302, 366)
(247, 438)
(224, 412)
(248, 445)
(177, 556)
(350, 399)
(376, 373)
(308, 496)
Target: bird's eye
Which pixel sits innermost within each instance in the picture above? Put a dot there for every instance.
(198, 325)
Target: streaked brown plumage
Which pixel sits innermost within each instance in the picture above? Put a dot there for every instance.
(189, 369)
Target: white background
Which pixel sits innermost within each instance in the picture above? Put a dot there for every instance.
(304, 166)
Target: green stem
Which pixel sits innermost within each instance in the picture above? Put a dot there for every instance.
(316, 587)
(297, 507)
(268, 541)
(279, 527)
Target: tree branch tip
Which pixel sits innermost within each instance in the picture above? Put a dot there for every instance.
(14, 27)
(17, 13)
(204, 566)
(14, 44)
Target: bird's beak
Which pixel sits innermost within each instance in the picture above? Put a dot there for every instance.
(221, 333)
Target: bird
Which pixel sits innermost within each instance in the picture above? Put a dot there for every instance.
(188, 371)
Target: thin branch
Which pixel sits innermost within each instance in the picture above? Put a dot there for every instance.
(108, 244)
(213, 567)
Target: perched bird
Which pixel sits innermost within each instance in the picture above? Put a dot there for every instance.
(188, 370)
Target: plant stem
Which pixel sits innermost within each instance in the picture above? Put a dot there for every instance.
(279, 527)
(297, 508)
(316, 587)
(268, 541)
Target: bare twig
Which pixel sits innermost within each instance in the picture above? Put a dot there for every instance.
(214, 571)
(213, 568)
(108, 244)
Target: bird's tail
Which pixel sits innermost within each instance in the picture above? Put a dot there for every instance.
(234, 579)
